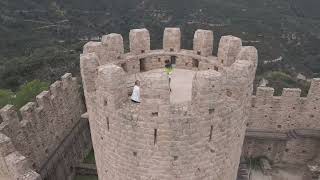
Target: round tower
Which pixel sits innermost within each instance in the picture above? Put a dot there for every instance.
(199, 137)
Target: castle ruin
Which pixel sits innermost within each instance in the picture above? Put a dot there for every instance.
(198, 131)
(200, 138)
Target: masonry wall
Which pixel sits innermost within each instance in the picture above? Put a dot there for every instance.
(74, 148)
(13, 165)
(141, 58)
(157, 139)
(273, 149)
(38, 130)
(59, 166)
(300, 150)
(289, 111)
(288, 115)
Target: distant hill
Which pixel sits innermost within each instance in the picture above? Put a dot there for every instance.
(42, 39)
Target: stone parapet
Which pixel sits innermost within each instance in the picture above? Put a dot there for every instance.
(159, 139)
(288, 111)
(38, 128)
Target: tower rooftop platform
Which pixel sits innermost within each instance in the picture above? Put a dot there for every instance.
(181, 85)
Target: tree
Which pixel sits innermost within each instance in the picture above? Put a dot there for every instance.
(29, 91)
(25, 94)
(6, 97)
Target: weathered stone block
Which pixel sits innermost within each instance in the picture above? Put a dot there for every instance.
(139, 41)
(229, 47)
(203, 42)
(172, 39)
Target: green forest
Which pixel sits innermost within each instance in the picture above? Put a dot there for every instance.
(42, 39)
(24, 94)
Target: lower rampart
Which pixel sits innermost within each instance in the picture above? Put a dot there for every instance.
(59, 166)
(73, 149)
(13, 165)
(300, 146)
(285, 128)
(285, 112)
(44, 135)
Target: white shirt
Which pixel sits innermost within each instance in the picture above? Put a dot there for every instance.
(136, 94)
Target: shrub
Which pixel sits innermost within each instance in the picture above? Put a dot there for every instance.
(29, 91)
(279, 80)
(25, 94)
(255, 162)
(6, 97)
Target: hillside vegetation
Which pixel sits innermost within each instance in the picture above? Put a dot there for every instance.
(42, 39)
(24, 94)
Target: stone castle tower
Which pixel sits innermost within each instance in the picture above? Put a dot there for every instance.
(160, 138)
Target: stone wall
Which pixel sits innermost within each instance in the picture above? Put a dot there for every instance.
(286, 127)
(74, 148)
(291, 147)
(39, 128)
(156, 139)
(141, 58)
(13, 165)
(289, 111)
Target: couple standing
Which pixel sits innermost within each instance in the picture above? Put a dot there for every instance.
(135, 97)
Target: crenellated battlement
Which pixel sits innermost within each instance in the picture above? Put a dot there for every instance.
(214, 115)
(234, 62)
(142, 58)
(288, 111)
(38, 128)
